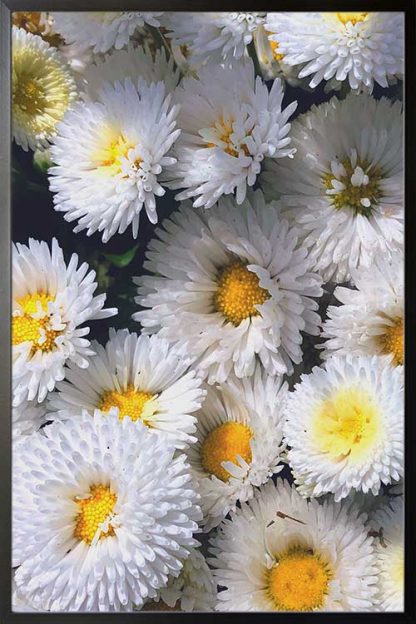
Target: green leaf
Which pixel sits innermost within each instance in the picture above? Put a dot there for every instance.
(122, 260)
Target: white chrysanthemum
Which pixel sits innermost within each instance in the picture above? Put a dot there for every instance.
(362, 48)
(389, 524)
(239, 447)
(140, 376)
(27, 418)
(102, 514)
(102, 30)
(230, 122)
(345, 425)
(51, 301)
(282, 553)
(231, 286)
(215, 36)
(42, 89)
(272, 63)
(131, 63)
(193, 590)
(370, 319)
(344, 188)
(109, 155)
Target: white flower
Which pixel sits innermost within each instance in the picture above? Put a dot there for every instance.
(370, 321)
(131, 63)
(344, 425)
(193, 590)
(363, 48)
(389, 524)
(140, 376)
(43, 89)
(230, 285)
(51, 300)
(102, 30)
(27, 417)
(239, 447)
(344, 189)
(282, 553)
(102, 514)
(230, 122)
(109, 154)
(215, 36)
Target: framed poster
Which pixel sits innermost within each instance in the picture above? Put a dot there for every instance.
(205, 369)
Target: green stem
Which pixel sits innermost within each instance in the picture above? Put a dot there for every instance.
(253, 55)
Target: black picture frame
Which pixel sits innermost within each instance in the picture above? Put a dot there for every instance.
(6, 8)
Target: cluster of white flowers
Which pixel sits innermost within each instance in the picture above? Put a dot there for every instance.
(283, 246)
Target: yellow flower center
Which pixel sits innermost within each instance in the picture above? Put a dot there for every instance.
(29, 95)
(360, 190)
(223, 131)
(298, 581)
(28, 328)
(347, 425)
(93, 512)
(238, 293)
(392, 341)
(354, 18)
(111, 155)
(224, 443)
(130, 402)
(274, 45)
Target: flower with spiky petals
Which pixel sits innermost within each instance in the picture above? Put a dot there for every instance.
(143, 378)
(109, 155)
(231, 286)
(230, 123)
(43, 89)
(193, 590)
(388, 526)
(219, 37)
(344, 189)
(282, 553)
(52, 301)
(133, 63)
(239, 447)
(370, 320)
(344, 425)
(27, 418)
(363, 48)
(102, 514)
(102, 30)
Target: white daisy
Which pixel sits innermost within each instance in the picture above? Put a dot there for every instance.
(231, 286)
(43, 89)
(370, 320)
(363, 48)
(344, 189)
(131, 63)
(388, 523)
(102, 30)
(344, 425)
(109, 154)
(282, 553)
(215, 36)
(51, 300)
(230, 122)
(28, 417)
(19, 605)
(140, 376)
(102, 514)
(239, 447)
(193, 590)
